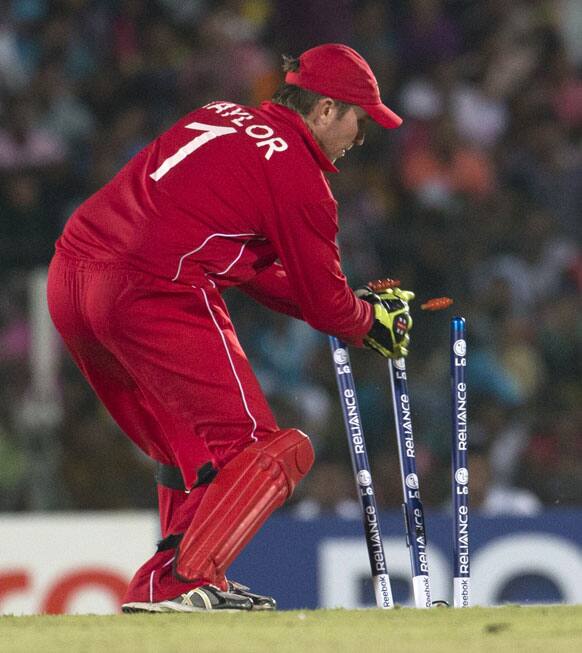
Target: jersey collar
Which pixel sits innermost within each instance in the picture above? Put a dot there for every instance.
(293, 118)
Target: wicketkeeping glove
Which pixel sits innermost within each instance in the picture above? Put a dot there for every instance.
(389, 333)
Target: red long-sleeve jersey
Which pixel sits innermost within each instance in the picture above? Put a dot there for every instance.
(230, 195)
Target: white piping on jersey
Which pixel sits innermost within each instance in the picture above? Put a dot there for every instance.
(152, 577)
(238, 381)
(194, 251)
(242, 249)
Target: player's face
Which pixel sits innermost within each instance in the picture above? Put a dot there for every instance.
(338, 134)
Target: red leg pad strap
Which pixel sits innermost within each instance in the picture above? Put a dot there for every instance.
(238, 501)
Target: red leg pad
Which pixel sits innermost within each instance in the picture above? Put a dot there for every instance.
(238, 501)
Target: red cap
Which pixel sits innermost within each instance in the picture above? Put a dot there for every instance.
(338, 72)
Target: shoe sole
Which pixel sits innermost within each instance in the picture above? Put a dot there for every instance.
(165, 607)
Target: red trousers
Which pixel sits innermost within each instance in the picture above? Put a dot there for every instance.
(165, 360)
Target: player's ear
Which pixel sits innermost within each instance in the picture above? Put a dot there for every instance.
(323, 111)
(328, 108)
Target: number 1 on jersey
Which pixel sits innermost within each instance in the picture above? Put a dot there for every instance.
(210, 132)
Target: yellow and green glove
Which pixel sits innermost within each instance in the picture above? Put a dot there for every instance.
(389, 333)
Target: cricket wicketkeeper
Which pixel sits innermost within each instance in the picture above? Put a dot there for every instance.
(229, 196)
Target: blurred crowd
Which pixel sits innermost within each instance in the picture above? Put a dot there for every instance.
(477, 196)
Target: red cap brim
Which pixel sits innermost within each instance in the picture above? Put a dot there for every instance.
(381, 114)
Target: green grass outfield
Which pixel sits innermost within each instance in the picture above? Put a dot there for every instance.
(547, 629)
